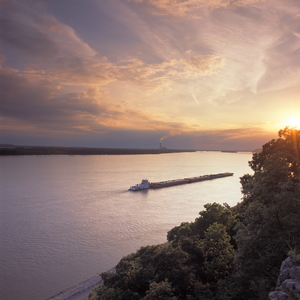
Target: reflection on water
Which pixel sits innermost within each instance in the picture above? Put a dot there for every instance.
(67, 218)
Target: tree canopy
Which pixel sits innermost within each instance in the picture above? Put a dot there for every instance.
(270, 218)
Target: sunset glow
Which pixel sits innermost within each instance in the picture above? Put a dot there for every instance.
(293, 122)
(220, 73)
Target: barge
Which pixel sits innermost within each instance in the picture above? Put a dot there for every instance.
(145, 184)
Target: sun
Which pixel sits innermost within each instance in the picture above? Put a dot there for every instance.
(293, 122)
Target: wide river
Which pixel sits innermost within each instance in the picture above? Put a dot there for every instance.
(65, 219)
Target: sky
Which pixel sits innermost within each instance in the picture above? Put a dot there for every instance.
(196, 74)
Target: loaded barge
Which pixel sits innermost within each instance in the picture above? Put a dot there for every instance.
(145, 184)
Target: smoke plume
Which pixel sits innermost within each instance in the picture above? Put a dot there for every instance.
(171, 133)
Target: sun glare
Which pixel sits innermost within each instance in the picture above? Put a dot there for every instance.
(293, 122)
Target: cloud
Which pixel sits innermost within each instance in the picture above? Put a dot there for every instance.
(59, 61)
(99, 71)
(223, 139)
(168, 72)
(40, 104)
(191, 7)
(38, 34)
(239, 39)
(60, 55)
(27, 39)
(282, 56)
(48, 48)
(179, 74)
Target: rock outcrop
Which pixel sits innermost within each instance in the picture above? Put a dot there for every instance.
(288, 282)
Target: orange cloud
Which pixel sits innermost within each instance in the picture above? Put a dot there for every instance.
(167, 72)
(224, 70)
(99, 71)
(190, 7)
(39, 105)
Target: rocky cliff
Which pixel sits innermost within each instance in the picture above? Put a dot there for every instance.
(288, 282)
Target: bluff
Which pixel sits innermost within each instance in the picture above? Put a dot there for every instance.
(288, 282)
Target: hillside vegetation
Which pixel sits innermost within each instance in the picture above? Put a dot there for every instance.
(227, 252)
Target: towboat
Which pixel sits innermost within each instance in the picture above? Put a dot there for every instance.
(144, 185)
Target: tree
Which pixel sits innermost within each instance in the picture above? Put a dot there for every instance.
(287, 144)
(270, 221)
(276, 168)
(214, 212)
(160, 291)
(218, 252)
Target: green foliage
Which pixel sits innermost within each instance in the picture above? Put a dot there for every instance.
(288, 144)
(190, 267)
(270, 219)
(295, 255)
(183, 230)
(214, 212)
(226, 253)
(160, 291)
(218, 252)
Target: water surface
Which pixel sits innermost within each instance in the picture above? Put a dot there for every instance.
(67, 218)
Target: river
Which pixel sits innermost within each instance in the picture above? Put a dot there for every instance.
(67, 218)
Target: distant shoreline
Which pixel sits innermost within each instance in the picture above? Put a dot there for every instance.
(8, 149)
(40, 150)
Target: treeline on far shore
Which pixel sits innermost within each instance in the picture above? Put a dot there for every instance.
(32, 150)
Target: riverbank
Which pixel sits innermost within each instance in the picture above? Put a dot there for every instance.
(82, 290)
(79, 291)
(32, 150)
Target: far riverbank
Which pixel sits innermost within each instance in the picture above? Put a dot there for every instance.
(34, 150)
